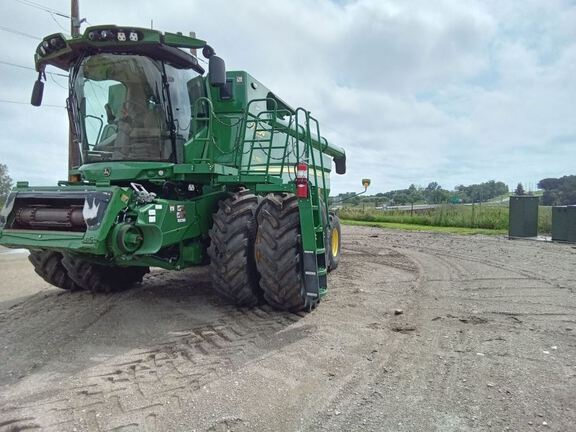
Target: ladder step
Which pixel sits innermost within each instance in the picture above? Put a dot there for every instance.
(320, 272)
(320, 251)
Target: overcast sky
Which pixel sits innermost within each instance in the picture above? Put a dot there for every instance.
(456, 91)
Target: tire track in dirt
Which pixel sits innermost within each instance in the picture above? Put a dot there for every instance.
(373, 407)
(362, 392)
(57, 316)
(384, 257)
(514, 292)
(131, 391)
(462, 367)
(467, 353)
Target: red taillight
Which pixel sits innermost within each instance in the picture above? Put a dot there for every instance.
(302, 170)
(302, 180)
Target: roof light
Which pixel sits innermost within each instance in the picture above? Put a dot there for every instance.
(50, 45)
(119, 35)
(57, 43)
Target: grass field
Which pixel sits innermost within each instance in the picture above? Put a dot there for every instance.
(429, 228)
(476, 217)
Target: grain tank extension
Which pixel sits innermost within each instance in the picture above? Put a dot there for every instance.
(173, 167)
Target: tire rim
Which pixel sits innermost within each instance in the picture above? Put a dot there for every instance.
(335, 242)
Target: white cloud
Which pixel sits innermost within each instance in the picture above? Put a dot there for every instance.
(418, 91)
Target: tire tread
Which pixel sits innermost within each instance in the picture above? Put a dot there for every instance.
(231, 249)
(102, 279)
(278, 252)
(48, 265)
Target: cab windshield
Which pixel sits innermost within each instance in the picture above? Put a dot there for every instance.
(131, 108)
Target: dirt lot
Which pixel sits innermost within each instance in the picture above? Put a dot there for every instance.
(486, 341)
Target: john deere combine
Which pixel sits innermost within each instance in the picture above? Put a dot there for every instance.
(171, 168)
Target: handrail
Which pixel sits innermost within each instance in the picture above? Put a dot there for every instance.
(207, 152)
(318, 142)
(301, 127)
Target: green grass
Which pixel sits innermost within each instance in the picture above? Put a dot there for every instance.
(544, 220)
(476, 217)
(427, 228)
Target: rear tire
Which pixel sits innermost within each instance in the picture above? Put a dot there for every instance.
(48, 265)
(334, 243)
(231, 249)
(102, 279)
(278, 252)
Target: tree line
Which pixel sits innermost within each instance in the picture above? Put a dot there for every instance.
(431, 194)
(558, 191)
(5, 183)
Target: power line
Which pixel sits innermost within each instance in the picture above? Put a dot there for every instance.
(43, 8)
(16, 65)
(27, 103)
(18, 32)
(57, 23)
(30, 68)
(57, 83)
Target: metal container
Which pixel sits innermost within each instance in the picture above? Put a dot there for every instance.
(523, 216)
(564, 223)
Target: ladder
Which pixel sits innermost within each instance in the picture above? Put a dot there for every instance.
(312, 222)
(264, 127)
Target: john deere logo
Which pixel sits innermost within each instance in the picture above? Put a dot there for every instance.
(107, 172)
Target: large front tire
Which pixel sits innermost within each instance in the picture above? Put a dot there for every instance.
(278, 252)
(102, 279)
(48, 265)
(231, 249)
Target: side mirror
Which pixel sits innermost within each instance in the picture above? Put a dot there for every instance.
(37, 93)
(340, 165)
(217, 71)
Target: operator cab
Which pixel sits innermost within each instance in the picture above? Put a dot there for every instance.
(128, 107)
(132, 92)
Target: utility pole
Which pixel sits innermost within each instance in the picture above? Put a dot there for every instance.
(193, 50)
(73, 150)
(75, 18)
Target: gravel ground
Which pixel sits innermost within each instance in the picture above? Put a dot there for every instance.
(420, 332)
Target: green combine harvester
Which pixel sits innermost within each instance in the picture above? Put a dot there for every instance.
(173, 168)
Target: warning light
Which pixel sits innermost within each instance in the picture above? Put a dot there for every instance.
(302, 180)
